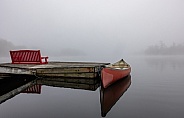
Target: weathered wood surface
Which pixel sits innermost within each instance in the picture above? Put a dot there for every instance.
(10, 69)
(55, 69)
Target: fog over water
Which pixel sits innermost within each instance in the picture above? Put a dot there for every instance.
(105, 31)
(90, 27)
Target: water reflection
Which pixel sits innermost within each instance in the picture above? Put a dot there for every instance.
(73, 83)
(34, 89)
(12, 86)
(9, 87)
(109, 96)
(162, 62)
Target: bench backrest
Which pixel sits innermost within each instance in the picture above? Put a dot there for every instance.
(26, 56)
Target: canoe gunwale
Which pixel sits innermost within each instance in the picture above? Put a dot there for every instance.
(121, 69)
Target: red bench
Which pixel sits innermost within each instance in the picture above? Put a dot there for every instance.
(27, 57)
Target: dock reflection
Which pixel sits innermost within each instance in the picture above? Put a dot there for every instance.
(109, 96)
(12, 86)
(90, 84)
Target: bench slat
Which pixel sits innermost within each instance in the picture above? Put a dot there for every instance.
(27, 57)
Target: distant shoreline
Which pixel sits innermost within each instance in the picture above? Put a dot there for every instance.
(162, 49)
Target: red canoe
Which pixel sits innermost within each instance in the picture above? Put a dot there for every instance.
(113, 72)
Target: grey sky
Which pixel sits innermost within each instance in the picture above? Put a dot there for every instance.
(92, 25)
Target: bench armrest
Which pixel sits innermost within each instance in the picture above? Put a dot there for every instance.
(43, 57)
(46, 58)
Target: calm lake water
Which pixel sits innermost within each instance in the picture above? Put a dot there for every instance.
(155, 89)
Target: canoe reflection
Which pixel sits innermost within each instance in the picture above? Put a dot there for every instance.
(109, 96)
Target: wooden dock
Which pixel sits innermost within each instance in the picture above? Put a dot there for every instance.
(55, 69)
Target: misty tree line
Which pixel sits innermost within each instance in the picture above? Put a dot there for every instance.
(162, 49)
(6, 46)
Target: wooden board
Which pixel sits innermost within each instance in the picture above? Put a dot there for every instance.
(55, 69)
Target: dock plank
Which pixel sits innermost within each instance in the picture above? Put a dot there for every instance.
(55, 69)
(66, 70)
(85, 75)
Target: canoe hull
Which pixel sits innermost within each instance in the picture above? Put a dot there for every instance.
(110, 75)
